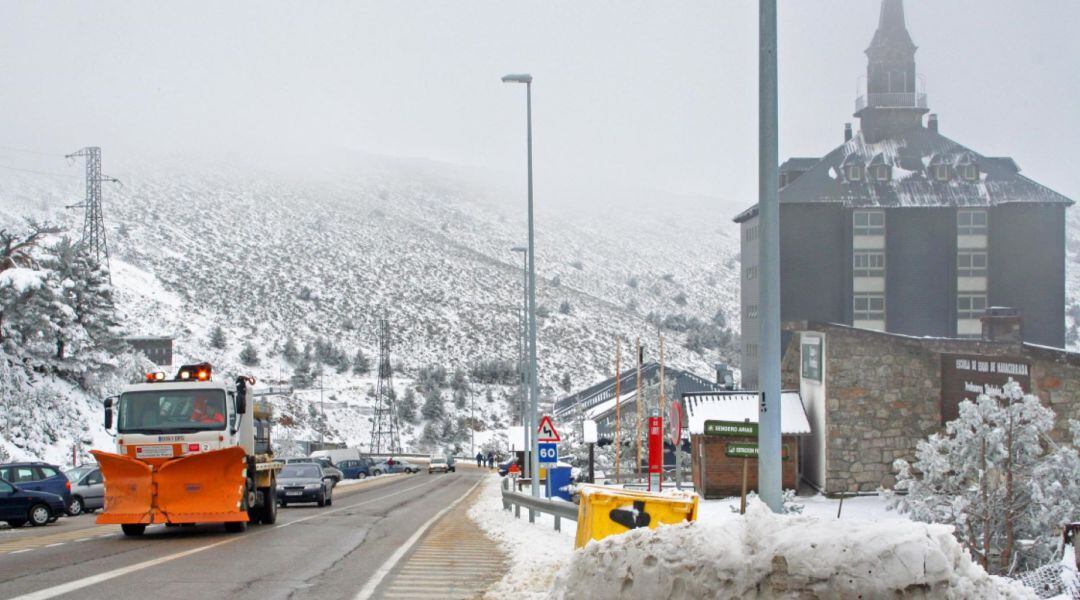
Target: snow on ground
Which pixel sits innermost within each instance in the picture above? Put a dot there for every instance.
(536, 551)
(763, 555)
(876, 553)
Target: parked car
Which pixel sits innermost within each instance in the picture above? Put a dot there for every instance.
(305, 482)
(38, 477)
(504, 467)
(438, 463)
(394, 465)
(337, 455)
(20, 506)
(87, 489)
(356, 469)
(327, 466)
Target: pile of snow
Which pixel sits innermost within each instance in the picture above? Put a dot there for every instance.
(770, 556)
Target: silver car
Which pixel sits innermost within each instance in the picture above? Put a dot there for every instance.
(87, 490)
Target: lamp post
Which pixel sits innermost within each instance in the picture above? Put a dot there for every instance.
(523, 342)
(534, 391)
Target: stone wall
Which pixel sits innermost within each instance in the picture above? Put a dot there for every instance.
(883, 396)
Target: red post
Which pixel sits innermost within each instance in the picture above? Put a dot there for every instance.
(656, 450)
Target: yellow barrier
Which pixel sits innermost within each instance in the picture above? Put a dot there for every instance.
(608, 511)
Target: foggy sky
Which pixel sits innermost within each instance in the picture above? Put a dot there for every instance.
(658, 95)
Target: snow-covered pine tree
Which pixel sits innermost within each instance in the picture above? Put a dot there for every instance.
(407, 407)
(217, 338)
(981, 476)
(361, 363)
(249, 356)
(433, 405)
(290, 352)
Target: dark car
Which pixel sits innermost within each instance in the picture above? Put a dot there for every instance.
(356, 468)
(20, 506)
(305, 482)
(327, 465)
(38, 477)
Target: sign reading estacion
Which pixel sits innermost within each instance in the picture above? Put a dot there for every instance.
(731, 428)
(737, 450)
(965, 376)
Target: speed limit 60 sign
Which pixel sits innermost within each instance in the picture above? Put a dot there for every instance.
(549, 453)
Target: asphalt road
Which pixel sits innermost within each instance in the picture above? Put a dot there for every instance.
(311, 552)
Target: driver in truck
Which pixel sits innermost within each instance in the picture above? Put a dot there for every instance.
(206, 411)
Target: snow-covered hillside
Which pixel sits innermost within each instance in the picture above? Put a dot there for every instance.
(323, 256)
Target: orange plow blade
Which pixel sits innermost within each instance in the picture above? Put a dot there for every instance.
(205, 487)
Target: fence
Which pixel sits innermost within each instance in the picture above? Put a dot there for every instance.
(559, 510)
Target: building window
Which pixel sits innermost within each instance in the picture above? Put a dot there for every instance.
(853, 172)
(751, 272)
(970, 306)
(751, 351)
(869, 307)
(971, 263)
(751, 311)
(869, 263)
(940, 172)
(881, 173)
(971, 222)
(869, 222)
(969, 172)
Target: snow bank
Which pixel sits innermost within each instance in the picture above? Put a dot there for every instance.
(776, 556)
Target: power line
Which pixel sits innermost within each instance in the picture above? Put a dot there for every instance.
(29, 151)
(49, 173)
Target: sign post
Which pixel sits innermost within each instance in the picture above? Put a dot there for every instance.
(656, 450)
(675, 431)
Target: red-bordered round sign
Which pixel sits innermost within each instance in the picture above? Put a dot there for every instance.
(675, 424)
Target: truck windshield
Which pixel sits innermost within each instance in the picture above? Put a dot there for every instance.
(171, 411)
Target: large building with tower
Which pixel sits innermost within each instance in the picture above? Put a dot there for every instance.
(903, 230)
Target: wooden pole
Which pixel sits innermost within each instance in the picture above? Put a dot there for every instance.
(618, 412)
(637, 400)
(745, 470)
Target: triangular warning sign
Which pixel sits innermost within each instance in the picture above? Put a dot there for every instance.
(546, 432)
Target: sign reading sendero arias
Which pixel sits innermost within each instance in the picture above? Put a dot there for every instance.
(731, 428)
(965, 377)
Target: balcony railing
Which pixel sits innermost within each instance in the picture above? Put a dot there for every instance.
(891, 100)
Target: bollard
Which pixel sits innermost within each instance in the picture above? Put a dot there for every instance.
(558, 523)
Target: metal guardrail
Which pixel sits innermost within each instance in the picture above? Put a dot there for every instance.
(891, 100)
(559, 510)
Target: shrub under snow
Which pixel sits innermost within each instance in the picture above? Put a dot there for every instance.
(778, 556)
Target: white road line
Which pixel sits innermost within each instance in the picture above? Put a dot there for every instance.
(83, 539)
(78, 584)
(20, 551)
(369, 588)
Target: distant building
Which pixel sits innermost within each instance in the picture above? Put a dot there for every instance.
(157, 349)
(597, 402)
(902, 229)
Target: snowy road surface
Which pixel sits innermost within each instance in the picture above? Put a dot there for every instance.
(333, 552)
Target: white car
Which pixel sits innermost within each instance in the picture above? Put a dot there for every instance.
(438, 463)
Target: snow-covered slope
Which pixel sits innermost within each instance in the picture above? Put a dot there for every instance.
(323, 256)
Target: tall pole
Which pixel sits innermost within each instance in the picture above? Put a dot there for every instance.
(769, 476)
(533, 370)
(526, 420)
(618, 395)
(637, 400)
(662, 399)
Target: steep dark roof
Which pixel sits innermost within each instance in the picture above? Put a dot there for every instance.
(910, 154)
(892, 28)
(682, 381)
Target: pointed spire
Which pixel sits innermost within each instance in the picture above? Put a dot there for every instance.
(892, 27)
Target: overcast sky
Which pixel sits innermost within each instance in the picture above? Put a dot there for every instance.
(657, 95)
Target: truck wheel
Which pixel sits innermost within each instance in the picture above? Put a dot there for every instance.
(235, 526)
(132, 530)
(268, 512)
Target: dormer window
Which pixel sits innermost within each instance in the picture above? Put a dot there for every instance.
(969, 172)
(881, 173)
(853, 172)
(940, 173)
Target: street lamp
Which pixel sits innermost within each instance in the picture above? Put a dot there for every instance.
(534, 388)
(523, 343)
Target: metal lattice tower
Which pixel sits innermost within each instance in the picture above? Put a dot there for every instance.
(93, 239)
(385, 428)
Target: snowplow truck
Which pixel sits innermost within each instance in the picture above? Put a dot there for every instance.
(188, 450)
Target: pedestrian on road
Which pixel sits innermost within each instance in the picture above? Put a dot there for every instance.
(491, 459)
(479, 459)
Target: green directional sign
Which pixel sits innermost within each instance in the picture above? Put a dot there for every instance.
(731, 428)
(737, 450)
